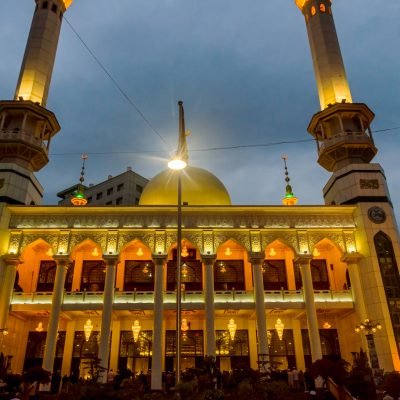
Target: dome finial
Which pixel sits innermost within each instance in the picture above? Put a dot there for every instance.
(290, 199)
(79, 198)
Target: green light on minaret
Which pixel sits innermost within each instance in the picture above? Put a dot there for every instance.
(290, 199)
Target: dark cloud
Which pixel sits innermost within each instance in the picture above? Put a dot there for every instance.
(243, 70)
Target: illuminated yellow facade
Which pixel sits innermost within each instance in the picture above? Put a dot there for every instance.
(281, 284)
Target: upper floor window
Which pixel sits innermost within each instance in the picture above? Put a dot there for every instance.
(54, 8)
(139, 188)
(118, 201)
(139, 275)
(274, 274)
(319, 274)
(229, 275)
(191, 275)
(47, 274)
(120, 187)
(322, 8)
(110, 191)
(313, 11)
(45, 5)
(99, 195)
(93, 275)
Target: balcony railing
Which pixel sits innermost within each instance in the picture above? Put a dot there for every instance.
(195, 297)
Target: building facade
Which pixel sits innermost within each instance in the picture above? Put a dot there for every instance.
(123, 189)
(286, 284)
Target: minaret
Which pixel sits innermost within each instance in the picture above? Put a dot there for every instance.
(26, 126)
(79, 198)
(346, 148)
(342, 128)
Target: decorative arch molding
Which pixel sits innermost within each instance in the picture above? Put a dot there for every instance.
(147, 238)
(336, 238)
(86, 242)
(242, 238)
(98, 238)
(28, 239)
(281, 242)
(230, 239)
(133, 243)
(287, 238)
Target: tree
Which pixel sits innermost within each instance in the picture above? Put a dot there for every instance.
(360, 381)
(336, 370)
(36, 375)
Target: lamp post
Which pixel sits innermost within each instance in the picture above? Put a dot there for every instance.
(178, 165)
(369, 328)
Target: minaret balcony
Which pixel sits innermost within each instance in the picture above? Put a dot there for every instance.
(338, 151)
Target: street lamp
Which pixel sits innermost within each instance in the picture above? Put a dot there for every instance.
(369, 328)
(178, 165)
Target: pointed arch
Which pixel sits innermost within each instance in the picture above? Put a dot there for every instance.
(88, 245)
(37, 246)
(390, 278)
(191, 267)
(136, 268)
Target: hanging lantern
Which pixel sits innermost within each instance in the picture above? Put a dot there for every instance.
(184, 270)
(95, 252)
(145, 269)
(279, 326)
(184, 325)
(49, 252)
(87, 328)
(136, 330)
(232, 329)
(39, 327)
(184, 252)
(222, 267)
(327, 325)
(316, 253)
(139, 252)
(228, 252)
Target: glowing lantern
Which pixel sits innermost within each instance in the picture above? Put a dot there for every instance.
(232, 329)
(88, 328)
(136, 330)
(279, 326)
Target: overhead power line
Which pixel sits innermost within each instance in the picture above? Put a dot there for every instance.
(222, 148)
(115, 83)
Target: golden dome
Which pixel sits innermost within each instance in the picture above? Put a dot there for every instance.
(199, 188)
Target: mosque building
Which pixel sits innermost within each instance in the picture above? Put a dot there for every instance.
(286, 284)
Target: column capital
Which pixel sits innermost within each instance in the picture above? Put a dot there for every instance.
(208, 258)
(303, 258)
(256, 258)
(159, 259)
(11, 259)
(61, 259)
(111, 259)
(351, 258)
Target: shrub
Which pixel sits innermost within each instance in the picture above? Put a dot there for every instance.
(185, 390)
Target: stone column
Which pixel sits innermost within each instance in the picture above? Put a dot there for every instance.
(10, 270)
(56, 305)
(352, 261)
(108, 299)
(157, 357)
(298, 345)
(311, 311)
(114, 352)
(259, 298)
(68, 348)
(208, 262)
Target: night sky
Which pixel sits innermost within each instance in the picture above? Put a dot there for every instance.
(243, 70)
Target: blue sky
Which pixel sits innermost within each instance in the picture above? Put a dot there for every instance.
(243, 70)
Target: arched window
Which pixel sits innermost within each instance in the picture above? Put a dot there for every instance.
(390, 278)
(313, 11)
(322, 8)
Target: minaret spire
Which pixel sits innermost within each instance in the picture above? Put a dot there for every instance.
(290, 199)
(79, 198)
